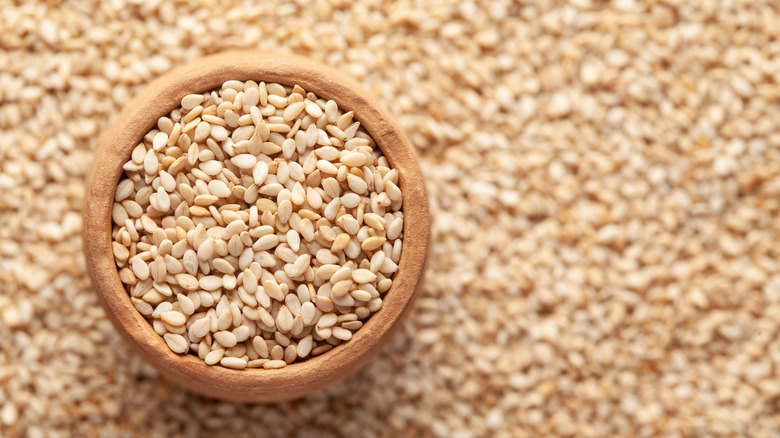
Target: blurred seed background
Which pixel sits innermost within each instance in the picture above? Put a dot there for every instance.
(604, 182)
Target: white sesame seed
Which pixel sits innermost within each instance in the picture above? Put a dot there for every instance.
(250, 281)
(274, 364)
(356, 184)
(244, 161)
(363, 276)
(173, 318)
(218, 188)
(308, 312)
(210, 282)
(235, 363)
(214, 356)
(350, 200)
(176, 343)
(225, 338)
(140, 268)
(200, 328)
(190, 101)
(341, 333)
(151, 162)
(300, 265)
(284, 319)
(211, 167)
(251, 97)
(293, 110)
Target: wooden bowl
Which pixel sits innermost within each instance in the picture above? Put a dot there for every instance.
(140, 115)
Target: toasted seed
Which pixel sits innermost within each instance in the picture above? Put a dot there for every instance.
(352, 325)
(374, 221)
(340, 242)
(373, 243)
(256, 363)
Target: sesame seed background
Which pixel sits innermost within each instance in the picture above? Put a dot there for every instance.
(604, 178)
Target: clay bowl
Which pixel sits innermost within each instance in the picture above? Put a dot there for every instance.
(140, 115)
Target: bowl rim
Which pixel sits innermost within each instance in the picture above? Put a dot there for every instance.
(141, 114)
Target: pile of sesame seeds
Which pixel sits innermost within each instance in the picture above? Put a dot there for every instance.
(256, 225)
(603, 181)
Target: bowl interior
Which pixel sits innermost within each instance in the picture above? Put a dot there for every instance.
(141, 114)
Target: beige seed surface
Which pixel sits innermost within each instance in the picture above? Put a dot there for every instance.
(603, 178)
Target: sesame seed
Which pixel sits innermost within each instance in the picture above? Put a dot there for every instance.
(225, 338)
(235, 363)
(173, 318)
(176, 343)
(274, 364)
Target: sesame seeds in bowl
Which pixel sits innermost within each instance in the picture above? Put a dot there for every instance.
(256, 226)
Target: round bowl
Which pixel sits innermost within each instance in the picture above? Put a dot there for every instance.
(140, 115)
